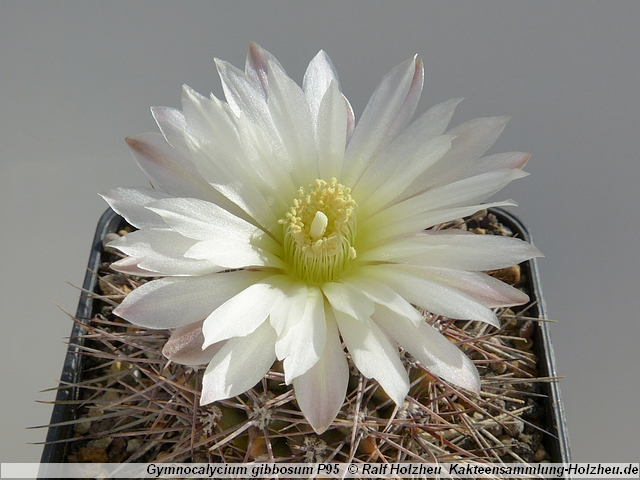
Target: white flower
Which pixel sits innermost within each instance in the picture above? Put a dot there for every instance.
(281, 229)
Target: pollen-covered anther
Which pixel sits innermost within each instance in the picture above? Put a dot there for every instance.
(320, 231)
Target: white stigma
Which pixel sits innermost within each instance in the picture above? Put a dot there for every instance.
(318, 226)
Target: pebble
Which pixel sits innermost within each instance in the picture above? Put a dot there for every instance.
(509, 275)
(540, 455)
(118, 445)
(495, 429)
(499, 367)
(507, 441)
(102, 443)
(258, 448)
(109, 237)
(109, 396)
(535, 411)
(118, 366)
(82, 427)
(134, 445)
(92, 455)
(101, 426)
(113, 284)
(513, 427)
(531, 439)
(527, 329)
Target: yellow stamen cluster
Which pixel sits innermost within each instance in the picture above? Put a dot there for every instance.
(320, 230)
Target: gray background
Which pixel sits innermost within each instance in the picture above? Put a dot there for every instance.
(76, 78)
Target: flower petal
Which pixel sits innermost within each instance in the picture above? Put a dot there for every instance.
(228, 253)
(349, 300)
(161, 252)
(173, 126)
(217, 149)
(458, 194)
(319, 75)
(455, 249)
(130, 203)
(320, 392)
(473, 139)
(168, 170)
(434, 297)
(382, 294)
(389, 110)
(430, 207)
(185, 346)
(304, 340)
(201, 220)
(290, 308)
(292, 118)
(245, 97)
(239, 365)
(177, 301)
(432, 349)
(130, 266)
(386, 226)
(500, 161)
(242, 314)
(479, 286)
(374, 355)
(384, 186)
(408, 150)
(256, 66)
(331, 132)
(223, 238)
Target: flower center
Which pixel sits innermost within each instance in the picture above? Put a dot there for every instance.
(320, 230)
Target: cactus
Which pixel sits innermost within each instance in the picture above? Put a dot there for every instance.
(136, 406)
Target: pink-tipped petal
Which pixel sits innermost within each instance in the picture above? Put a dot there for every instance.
(389, 110)
(256, 66)
(351, 119)
(500, 161)
(185, 346)
(482, 287)
(166, 168)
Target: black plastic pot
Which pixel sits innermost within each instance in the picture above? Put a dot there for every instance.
(55, 449)
(557, 447)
